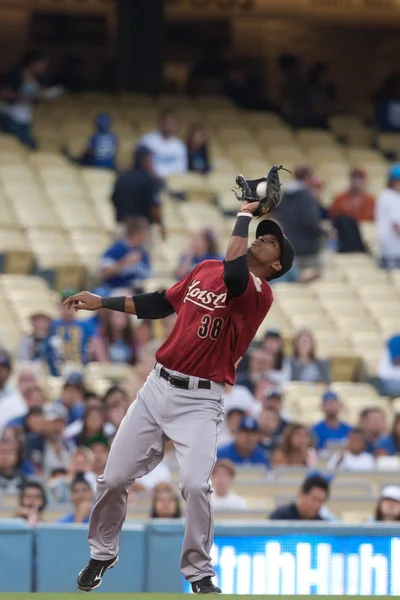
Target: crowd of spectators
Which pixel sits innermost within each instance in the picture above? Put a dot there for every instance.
(52, 449)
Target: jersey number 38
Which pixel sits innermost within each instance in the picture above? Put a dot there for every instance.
(210, 327)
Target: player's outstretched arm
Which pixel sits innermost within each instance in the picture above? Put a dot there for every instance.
(236, 269)
(145, 306)
(92, 302)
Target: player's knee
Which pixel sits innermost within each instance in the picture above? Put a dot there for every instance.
(113, 481)
(193, 486)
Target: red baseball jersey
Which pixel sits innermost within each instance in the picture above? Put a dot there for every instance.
(212, 332)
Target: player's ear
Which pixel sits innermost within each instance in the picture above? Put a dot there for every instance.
(277, 266)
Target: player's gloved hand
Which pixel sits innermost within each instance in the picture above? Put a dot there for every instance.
(83, 301)
(267, 190)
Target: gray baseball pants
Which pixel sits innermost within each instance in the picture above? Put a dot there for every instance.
(191, 419)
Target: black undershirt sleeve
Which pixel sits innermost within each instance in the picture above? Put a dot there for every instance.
(236, 276)
(152, 306)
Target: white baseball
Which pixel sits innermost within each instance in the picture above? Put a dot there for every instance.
(261, 189)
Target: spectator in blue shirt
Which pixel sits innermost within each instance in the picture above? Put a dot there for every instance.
(244, 450)
(101, 148)
(126, 263)
(39, 346)
(73, 336)
(372, 421)
(82, 500)
(73, 397)
(203, 246)
(330, 429)
(389, 445)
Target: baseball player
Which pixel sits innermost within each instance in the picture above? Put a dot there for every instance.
(220, 306)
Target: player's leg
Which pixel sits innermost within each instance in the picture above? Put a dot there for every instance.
(194, 429)
(136, 450)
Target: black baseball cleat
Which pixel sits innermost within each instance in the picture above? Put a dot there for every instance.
(91, 576)
(205, 586)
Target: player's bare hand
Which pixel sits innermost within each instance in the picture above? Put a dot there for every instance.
(250, 206)
(83, 301)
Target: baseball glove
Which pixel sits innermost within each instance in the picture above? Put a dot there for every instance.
(272, 195)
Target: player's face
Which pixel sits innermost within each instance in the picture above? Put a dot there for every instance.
(266, 250)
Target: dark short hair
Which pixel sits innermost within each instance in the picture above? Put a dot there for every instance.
(80, 478)
(238, 411)
(37, 486)
(370, 409)
(315, 481)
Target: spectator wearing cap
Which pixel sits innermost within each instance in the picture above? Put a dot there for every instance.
(268, 422)
(72, 396)
(82, 497)
(12, 404)
(39, 346)
(389, 445)
(273, 400)
(355, 202)
(169, 152)
(312, 496)
(126, 263)
(330, 430)
(101, 148)
(389, 367)
(48, 451)
(223, 497)
(299, 215)
(245, 449)
(387, 215)
(354, 456)
(73, 336)
(388, 507)
(136, 192)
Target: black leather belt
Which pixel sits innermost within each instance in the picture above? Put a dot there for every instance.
(182, 382)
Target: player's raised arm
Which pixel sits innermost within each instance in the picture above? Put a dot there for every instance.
(236, 269)
(146, 306)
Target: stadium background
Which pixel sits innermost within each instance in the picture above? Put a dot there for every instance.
(131, 60)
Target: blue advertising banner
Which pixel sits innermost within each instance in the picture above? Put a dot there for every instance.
(307, 564)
